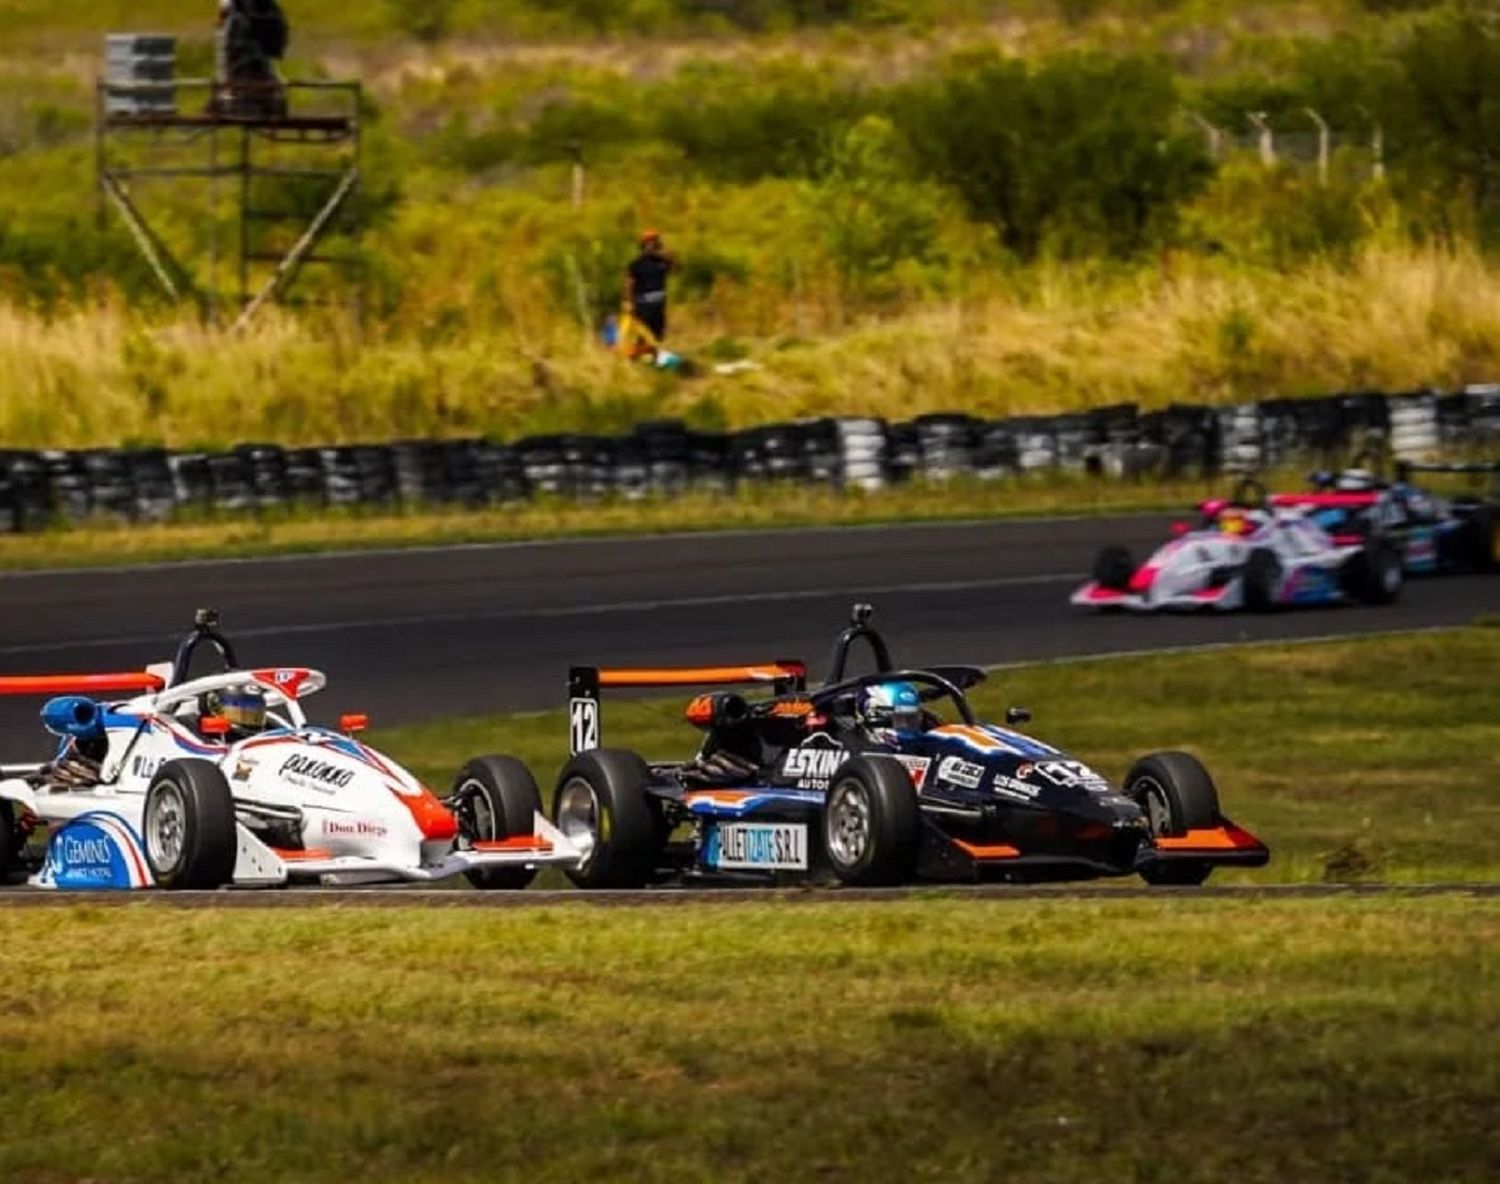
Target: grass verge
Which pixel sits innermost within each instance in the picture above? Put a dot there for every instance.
(750, 508)
(1364, 759)
(931, 1040)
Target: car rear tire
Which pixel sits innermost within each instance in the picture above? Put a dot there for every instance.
(1262, 580)
(493, 798)
(1113, 567)
(872, 826)
(1481, 535)
(10, 841)
(601, 803)
(1373, 574)
(1177, 795)
(188, 826)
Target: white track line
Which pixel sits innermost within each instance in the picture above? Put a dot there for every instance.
(578, 610)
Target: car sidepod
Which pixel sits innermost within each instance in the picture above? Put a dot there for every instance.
(98, 850)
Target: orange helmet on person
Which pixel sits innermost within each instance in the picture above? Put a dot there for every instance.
(650, 236)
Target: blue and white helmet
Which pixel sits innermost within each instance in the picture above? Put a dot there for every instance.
(891, 705)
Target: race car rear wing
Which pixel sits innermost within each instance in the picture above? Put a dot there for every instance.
(785, 675)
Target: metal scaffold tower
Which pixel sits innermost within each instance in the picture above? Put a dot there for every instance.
(268, 168)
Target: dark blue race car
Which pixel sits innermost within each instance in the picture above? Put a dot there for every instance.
(1434, 534)
(881, 778)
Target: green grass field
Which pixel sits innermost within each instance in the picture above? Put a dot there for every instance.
(1057, 1040)
(1061, 1041)
(1365, 759)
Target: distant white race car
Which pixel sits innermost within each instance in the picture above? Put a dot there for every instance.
(1246, 554)
(158, 791)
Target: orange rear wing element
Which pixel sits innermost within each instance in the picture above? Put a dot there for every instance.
(80, 684)
(585, 683)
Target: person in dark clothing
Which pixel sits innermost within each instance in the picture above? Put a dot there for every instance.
(252, 36)
(646, 284)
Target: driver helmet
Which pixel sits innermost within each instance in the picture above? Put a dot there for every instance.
(894, 705)
(243, 707)
(1232, 521)
(1355, 481)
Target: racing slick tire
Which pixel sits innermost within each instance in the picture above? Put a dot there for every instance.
(188, 826)
(601, 802)
(1177, 795)
(872, 826)
(495, 797)
(1481, 535)
(11, 841)
(1113, 567)
(1262, 579)
(1373, 574)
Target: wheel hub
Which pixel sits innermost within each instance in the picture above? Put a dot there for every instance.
(848, 824)
(166, 825)
(1158, 810)
(578, 817)
(477, 820)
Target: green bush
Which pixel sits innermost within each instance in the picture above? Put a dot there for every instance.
(1449, 110)
(737, 126)
(868, 211)
(1076, 156)
(425, 20)
(1279, 217)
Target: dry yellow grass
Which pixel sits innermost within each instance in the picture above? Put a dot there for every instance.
(1052, 340)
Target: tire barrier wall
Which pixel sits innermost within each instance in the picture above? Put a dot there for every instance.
(51, 487)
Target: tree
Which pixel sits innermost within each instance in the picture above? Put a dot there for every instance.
(1079, 155)
(1451, 71)
(871, 214)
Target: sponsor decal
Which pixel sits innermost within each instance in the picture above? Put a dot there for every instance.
(145, 766)
(1014, 787)
(360, 829)
(791, 708)
(916, 768)
(243, 767)
(1067, 774)
(812, 766)
(751, 846)
(314, 774)
(957, 771)
(93, 851)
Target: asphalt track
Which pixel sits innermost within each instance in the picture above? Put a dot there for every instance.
(668, 897)
(408, 635)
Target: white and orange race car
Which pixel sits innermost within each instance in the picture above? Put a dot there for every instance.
(220, 780)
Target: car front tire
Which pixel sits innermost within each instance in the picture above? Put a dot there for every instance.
(493, 798)
(1262, 580)
(601, 803)
(188, 826)
(1177, 795)
(871, 822)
